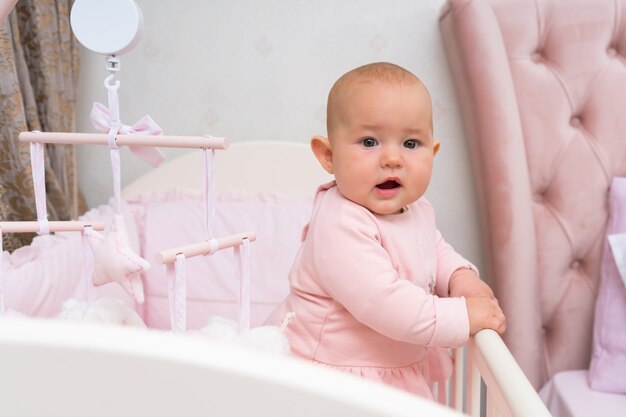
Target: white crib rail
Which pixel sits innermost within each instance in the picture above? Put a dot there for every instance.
(59, 369)
(508, 392)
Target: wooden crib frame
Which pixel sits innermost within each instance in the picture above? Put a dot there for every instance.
(55, 368)
(64, 369)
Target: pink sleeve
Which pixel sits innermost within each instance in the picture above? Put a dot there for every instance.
(355, 269)
(448, 261)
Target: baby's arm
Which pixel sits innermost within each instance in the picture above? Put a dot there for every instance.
(454, 281)
(355, 270)
(482, 307)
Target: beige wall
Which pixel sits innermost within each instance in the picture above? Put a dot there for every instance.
(259, 70)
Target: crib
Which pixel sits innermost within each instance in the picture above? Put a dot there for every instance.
(77, 369)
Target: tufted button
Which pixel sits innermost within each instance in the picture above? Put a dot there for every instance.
(537, 57)
(575, 264)
(575, 121)
(611, 51)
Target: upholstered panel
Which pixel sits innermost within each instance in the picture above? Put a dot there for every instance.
(542, 87)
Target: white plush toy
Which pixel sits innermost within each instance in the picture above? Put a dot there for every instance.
(104, 311)
(269, 339)
(13, 313)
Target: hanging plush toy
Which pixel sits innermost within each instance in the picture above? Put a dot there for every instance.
(114, 260)
(99, 248)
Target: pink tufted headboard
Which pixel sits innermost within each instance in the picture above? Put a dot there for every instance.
(542, 88)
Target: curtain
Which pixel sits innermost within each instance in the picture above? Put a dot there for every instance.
(38, 78)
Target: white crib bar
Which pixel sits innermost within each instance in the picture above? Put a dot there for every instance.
(56, 226)
(203, 248)
(468, 387)
(492, 410)
(457, 384)
(161, 141)
(475, 402)
(509, 392)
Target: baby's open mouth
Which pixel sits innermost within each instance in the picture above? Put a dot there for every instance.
(388, 185)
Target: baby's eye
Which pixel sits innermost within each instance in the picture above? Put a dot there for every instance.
(369, 142)
(410, 143)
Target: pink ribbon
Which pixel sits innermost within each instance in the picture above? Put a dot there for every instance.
(242, 266)
(177, 293)
(208, 169)
(102, 120)
(88, 266)
(39, 183)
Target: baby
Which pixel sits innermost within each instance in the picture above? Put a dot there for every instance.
(375, 288)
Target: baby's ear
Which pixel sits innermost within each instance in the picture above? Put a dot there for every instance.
(436, 146)
(323, 152)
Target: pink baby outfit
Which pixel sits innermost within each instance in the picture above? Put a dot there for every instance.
(369, 293)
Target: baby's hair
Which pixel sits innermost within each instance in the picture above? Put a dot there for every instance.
(377, 71)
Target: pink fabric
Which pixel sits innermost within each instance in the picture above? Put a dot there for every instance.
(177, 218)
(569, 395)
(541, 86)
(102, 119)
(242, 259)
(39, 183)
(360, 288)
(177, 293)
(115, 261)
(38, 278)
(608, 361)
(208, 190)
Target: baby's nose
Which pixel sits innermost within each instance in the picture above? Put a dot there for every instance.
(391, 158)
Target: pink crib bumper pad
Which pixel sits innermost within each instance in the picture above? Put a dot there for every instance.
(176, 218)
(607, 371)
(39, 277)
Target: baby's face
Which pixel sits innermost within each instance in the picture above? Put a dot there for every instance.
(382, 145)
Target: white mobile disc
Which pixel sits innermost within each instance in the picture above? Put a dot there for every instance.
(108, 27)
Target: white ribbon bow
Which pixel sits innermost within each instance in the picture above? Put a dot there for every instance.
(102, 120)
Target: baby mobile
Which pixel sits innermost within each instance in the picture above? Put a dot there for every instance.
(126, 267)
(130, 265)
(114, 260)
(110, 258)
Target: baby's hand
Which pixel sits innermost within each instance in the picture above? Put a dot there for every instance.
(465, 283)
(485, 313)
